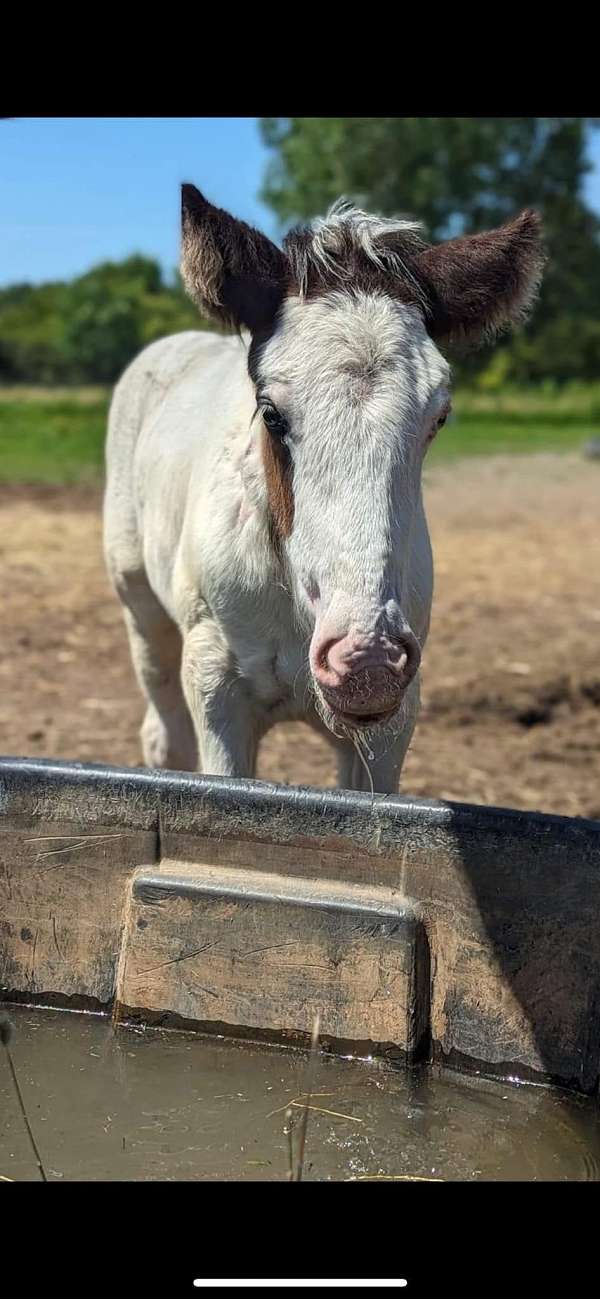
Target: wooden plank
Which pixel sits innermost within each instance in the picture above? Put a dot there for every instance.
(224, 948)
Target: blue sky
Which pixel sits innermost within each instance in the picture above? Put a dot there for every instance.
(75, 191)
(78, 190)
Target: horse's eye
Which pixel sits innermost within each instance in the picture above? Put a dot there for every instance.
(442, 419)
(276, 423)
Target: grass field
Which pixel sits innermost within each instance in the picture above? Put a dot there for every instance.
(52, 437)
(57, 435)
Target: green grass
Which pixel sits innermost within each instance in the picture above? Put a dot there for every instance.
(57, 436)
(520, 421)
(52, 439)
(472, 434)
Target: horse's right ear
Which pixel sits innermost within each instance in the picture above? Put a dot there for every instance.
(235, 274)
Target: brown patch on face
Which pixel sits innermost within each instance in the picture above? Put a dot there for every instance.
(278, 474)
(276, 458)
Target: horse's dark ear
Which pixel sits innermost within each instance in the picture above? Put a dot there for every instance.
(234, 274)
(477, 285)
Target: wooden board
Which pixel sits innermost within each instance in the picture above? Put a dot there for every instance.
(221, 947)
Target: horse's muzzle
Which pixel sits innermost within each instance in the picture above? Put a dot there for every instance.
(369, 697)
(361, 678)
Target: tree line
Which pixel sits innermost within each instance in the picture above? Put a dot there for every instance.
(461, 175)
(86, 330)
(457, 175)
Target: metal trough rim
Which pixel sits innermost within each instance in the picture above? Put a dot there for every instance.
(142, 797)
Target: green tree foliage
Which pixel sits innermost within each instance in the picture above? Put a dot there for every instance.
(460, 175)
(87, 330)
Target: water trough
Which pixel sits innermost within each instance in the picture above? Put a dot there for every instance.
(419, 930)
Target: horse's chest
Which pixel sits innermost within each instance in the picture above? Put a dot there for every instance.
(275, 674)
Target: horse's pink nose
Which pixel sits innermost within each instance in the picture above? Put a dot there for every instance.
(359, 674)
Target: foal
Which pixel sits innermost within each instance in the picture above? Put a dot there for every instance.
(264, 524)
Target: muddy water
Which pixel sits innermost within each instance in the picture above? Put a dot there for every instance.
(153, 1105)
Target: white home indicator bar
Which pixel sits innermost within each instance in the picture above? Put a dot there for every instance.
(295, 1284)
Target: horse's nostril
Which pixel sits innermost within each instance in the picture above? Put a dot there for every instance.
(323, 656)
(409, 657)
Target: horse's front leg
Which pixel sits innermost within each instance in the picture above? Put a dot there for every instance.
(220, 704)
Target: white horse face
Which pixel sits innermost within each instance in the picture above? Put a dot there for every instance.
(351, 390)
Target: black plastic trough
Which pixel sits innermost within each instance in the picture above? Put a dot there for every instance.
(418, 929)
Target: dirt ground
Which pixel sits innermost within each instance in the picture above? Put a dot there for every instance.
(511, 672)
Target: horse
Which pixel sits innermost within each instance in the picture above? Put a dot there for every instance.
(264, 526)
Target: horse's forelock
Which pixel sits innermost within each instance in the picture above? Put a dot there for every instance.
(352, 248)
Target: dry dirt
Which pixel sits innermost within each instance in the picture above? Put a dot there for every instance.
(511, 673)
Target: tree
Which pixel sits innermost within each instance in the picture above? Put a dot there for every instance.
(462, 175)
(31, 328)
(87, 330)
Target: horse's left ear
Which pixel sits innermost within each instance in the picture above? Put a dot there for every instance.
(478, 285)
(234, 273)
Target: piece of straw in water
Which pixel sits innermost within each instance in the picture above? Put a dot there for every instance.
(302, 1105)
(6, 1033)
(314, 1046)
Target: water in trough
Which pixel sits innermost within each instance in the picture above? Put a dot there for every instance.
(151, 1105)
